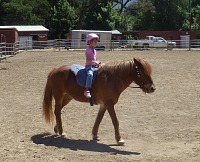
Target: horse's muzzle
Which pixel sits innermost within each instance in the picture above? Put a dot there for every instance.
(149, 88)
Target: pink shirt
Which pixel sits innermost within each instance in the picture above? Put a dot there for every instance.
(90, 55)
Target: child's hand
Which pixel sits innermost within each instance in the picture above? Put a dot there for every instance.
(98, 63)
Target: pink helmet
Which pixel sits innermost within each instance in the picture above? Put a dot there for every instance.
(91, 36)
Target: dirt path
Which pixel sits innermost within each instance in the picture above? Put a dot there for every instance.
(163, 126)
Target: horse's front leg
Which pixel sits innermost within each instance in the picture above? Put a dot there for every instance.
(115, 122)
(99, 118)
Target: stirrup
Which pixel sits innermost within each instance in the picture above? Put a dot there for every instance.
(87, 94)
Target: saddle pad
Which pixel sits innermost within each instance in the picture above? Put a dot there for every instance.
(76, 67)
(81, 74)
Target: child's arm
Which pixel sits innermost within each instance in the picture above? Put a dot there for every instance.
(97, 63)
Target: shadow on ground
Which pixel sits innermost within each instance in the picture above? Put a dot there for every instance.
(62, 142)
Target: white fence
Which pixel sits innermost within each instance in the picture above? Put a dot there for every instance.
(65, 44)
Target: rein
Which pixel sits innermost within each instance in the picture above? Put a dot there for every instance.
(133, 87)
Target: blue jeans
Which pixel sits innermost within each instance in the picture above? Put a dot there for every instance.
(89, 70)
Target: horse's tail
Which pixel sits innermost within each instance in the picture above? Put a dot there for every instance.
(47, 101)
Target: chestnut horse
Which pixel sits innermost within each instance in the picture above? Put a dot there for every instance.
(112, 79)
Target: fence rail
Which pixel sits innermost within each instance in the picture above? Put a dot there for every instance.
(13, 48)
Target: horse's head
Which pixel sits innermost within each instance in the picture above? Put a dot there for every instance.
(143, 73)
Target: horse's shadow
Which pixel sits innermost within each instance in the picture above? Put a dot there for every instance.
(62, 142)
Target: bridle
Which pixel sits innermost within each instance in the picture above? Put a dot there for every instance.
(139, 76)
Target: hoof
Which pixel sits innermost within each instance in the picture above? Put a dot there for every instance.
(56, 129)
(96, 138)
(63, 135)
(121, 142)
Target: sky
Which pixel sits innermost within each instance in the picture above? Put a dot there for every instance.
(131, 2)
(128, 2)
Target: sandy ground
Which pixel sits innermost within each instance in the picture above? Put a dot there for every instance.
(163, 126)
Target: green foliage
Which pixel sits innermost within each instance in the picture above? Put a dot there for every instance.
(141, 15)
(61, 16)
(25, 12)
(128, 23)
(163, 14)
(196, 18)
(103, 16)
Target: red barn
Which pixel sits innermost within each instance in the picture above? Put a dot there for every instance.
(12, 34)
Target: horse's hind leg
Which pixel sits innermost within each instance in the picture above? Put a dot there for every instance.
(99, 118)
(58, 107)
(59, 104)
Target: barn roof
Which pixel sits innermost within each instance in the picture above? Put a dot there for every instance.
(116, 32)
(26, 28)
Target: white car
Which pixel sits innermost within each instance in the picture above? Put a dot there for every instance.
(152, 41)
(162, 41)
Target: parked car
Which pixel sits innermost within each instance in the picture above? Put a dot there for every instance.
(152, 41)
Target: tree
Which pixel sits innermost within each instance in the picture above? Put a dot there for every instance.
(62, 18)
(195, 3)
(24, 12)
(3, 10)
(84, 7)
(166, 15)
(143, 12)
(195, 19)
(158, 15)
(95, 14)
(102, 17)
(121, 3)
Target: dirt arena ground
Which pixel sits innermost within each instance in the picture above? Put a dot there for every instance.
(163, 126)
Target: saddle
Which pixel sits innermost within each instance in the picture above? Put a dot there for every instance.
(81, 76)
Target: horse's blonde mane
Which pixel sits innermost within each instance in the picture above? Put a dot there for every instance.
(125, 66)
(147, 67)
(118, 67)
(114, 71)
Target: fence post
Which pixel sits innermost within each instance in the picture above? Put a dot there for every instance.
(189, 43)
(1, 49)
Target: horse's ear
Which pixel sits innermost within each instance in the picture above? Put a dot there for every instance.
(136, 61)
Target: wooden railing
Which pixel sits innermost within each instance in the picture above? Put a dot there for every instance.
(8, 49)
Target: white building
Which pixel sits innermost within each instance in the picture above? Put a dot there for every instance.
(79, 38)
